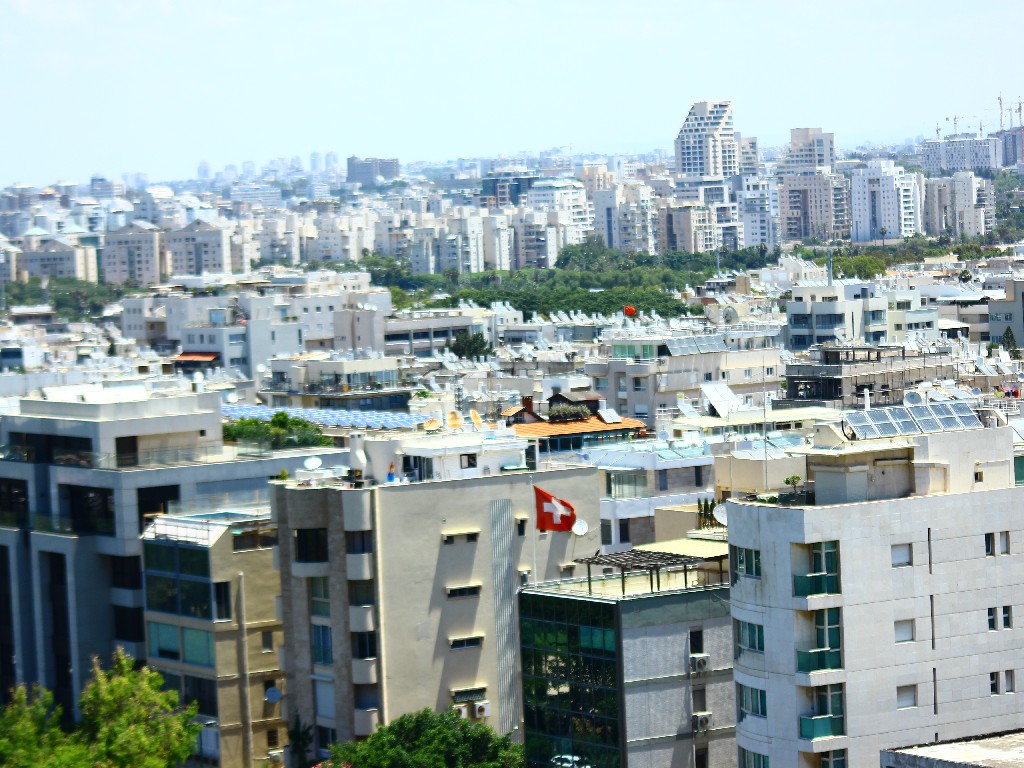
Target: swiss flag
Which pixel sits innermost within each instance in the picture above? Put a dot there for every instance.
(553, 514)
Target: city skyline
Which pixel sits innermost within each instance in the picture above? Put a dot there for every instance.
(117, 88)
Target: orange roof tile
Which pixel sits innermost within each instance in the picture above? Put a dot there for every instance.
(581, 427)
(513, 410)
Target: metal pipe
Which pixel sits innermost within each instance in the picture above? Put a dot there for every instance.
(243, 672)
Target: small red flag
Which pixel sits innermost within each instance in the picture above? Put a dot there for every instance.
(553, 514)
(629, 310)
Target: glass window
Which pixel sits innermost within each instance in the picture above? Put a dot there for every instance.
(194, 561)
(992, 624)
(359, 542)
(904, 631)
(748, 636)
(990, 544)
(751, 701)
(161, 594)
(222, 600)
(364, 645)
(319, 596)
(1007, 617)
(827, 628)
(198, 646)
(361, 593)
(901, 555)
(202, 691)
(606, 532)
(323, 652)
(163, 641)
(160, 557)
(906, 696)
(311, 545)
(748, 759)
(195, 599)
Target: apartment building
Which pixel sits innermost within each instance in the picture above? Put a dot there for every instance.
(212, 628)
(134, 253)
(836, 311)
(706, 144)
(625, 217)
(311, 381)
(880, 609)
(398, 581)
(886, 197)
(631, 670)
(367, 171)
(82, 467)
(757, 206)
(961, 206)
(963, 152)
(911, 317)
(814, 204)
(200, 248)
(569, 198)
(58, 257)
(810, 149)
(643, 371)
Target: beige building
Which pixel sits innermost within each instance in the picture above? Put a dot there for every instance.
(814, 204)
(400, 594)
(134, 252)
(200, 248)
(212, 628)
(58, 257)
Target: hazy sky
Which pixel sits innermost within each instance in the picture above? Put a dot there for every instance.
(108, 86)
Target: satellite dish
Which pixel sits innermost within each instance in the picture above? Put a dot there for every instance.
(313, 462)
(272, 695)
(231, 397)
(849, 432)
(1020, 377)
(913, 398)
(663, 434)
(720, 514)
(198, 376)
(580, 528)
(976, 391)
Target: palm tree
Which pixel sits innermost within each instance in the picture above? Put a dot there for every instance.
(883, 231)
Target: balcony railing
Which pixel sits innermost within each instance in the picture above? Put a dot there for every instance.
(102, 526)
(821, 726)
(167, 457)
(819, 659)
(816, 584)
(17, 453)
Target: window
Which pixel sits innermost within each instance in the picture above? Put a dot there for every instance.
(222, 600)
(198, 647)
(745, 562)
(700, 700)
(990, 545)
(906, 696)
(639, 385)
(471, 591)
(267, 641)
(902, 555)
(624, 531)
(993, 683)
(662, 479)
(1007, 617)
(696, 641)
(364, 645)
(311, 545)
(359, 542)
(323, 652)
(129, 624)
(163, 641)
(202, 691)
(468, 460)
(751, 701)
(748, 636)
(992, 619)
(979, 477)
(1008, 686)
(272, 738)
(472, 536)
(904, 631)
(520, 527)
(606, 532)
(448, 539)
(361, 593)
(707, 377)
(466, 642)
(828, 628)
(834, 759)
(324, 738)
(626, 485)
(319, 596)
(1004, 543)
(748, 759)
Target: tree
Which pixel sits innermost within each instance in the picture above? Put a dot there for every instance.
(300, 739)
(464, 345)
(567, 412)
(1009, 342)
(282, 431)
(30, 734)
(793, 481)
(130, 721)
(428, 739)
(883, 231)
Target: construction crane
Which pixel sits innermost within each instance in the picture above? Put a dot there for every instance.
(1001, 112)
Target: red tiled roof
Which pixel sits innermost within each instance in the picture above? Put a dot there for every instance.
(580, 427)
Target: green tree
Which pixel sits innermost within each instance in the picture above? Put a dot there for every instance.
(883, 231)
(30, 733)
(566, 412)
(468, 346)
(428, 739)
(282, 431)
(793, 481)
(1009, 342)
(130, 721)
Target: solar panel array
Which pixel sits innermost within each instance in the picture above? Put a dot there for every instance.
(911, 420)
(328, 417)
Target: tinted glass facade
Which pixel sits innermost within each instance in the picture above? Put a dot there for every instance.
(572, 703)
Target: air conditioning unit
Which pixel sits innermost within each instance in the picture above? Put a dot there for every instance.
(699, 662)
(702, 721)
(463, 710)
(275, 756)
(481, 709)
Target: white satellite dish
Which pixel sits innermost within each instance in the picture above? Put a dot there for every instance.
(580, 528)
(272, 695)
(313, 462)
(198, 376)
(231, 397)
(663, 434)
(721, 515)
(913, 398)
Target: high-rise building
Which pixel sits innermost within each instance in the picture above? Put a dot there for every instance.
(963, 152)
(315, 166)
(706, 144)
(367, 171)
(757, 204)
(203, 171)
(501, 189)
(1012, 141)
(750, 156)
(200, 248)
(398, 581)
(885, 592)
(886, 201)
(809, 149)
(815, 204)
(961, 206)
(625, 217)
(134, 252)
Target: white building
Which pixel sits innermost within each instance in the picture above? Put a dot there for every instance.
(963, 152)
(879, 609)
(706, 144)
(569, 198)
(885, 197)
(625, 217)
(200, 248)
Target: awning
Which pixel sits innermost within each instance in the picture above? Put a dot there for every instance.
(197, 357)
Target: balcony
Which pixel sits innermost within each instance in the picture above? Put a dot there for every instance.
(103, 526)
(364, 671)
(821, 726)
(359, 567)
(819, 660)
(360, 618)
(365, 721)
(816, 584)
(168, 457)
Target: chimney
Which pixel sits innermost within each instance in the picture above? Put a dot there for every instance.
(528, 403)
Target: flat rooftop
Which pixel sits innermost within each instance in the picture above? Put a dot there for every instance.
(1001, 751)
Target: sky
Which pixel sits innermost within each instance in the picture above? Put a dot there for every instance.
(154, 86)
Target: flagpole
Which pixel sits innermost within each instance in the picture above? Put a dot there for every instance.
(536, 527)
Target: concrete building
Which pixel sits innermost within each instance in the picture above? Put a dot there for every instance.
(567, 197)
(749, 155)
(997, 751)
(814, 204)
(842, 311)
(200, 248)
(58, 257)
(706, 144)
(398, 581)
(878, 610)
(757, 205)
(623, 672)
(885, 196)
(368, 171)
(626, 218)
(910, 317)
(212, 628)
(1007, 313)
(135, 253)
(506, 189)
(963, 152)
(1012, 141)
(82, 468)
(810, 151)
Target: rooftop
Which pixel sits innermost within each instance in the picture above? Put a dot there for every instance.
(1001, 751)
